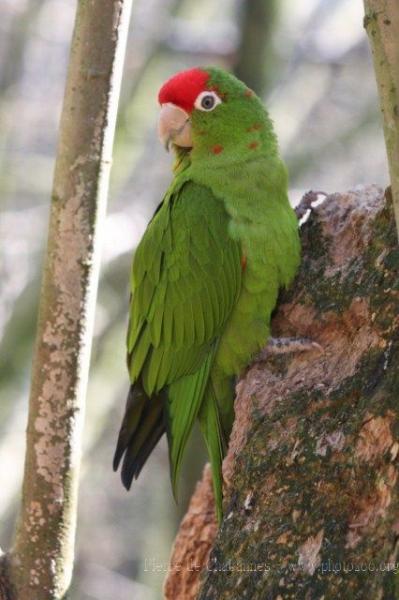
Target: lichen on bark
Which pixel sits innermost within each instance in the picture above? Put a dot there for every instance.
(312, 501)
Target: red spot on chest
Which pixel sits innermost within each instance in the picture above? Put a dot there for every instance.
(243, 262)
(254, 127)
(253, 145)
(217, 149)
(248, 93)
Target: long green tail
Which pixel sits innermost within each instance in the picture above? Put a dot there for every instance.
(184, 401)
(211, 427)
(147, 418)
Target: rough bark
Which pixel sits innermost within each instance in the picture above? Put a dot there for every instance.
(39, 566)
(382, 25)
(191, 550)
(312, 501)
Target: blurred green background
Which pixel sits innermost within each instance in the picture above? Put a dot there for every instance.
(310, 62)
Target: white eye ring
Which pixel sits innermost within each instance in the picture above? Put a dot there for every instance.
(207, 101)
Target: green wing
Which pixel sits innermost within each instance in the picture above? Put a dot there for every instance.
(186, 279)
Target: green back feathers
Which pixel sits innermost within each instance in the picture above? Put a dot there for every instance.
(186, 279)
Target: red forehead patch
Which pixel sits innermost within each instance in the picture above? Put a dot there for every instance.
(182, 89)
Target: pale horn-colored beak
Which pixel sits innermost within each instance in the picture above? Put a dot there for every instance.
(174, 126)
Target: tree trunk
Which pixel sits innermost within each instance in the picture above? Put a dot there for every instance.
(256, 20)
(311, 495)
(39, 566)
(382, 25)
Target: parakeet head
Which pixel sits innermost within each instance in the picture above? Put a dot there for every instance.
(208, 113)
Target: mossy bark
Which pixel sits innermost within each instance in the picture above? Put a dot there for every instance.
(312, 500)
(39, 566)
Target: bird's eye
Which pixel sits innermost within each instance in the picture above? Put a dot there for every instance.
(207, 101)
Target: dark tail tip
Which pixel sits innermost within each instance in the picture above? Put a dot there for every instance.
(117, 456)
(142, 427)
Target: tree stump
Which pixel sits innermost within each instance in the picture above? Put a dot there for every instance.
(311, 501)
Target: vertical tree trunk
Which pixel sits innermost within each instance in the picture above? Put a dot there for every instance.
(253, 64)
(39, 566)
(382, 25)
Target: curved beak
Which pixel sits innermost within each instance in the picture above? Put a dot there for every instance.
(174, 126)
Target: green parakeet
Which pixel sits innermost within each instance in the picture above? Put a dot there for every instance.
(207, 272)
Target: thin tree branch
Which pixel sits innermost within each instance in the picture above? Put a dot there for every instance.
(381, 22)
(40, 564)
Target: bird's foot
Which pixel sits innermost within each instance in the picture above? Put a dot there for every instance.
(287, 345)
(306, 202)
